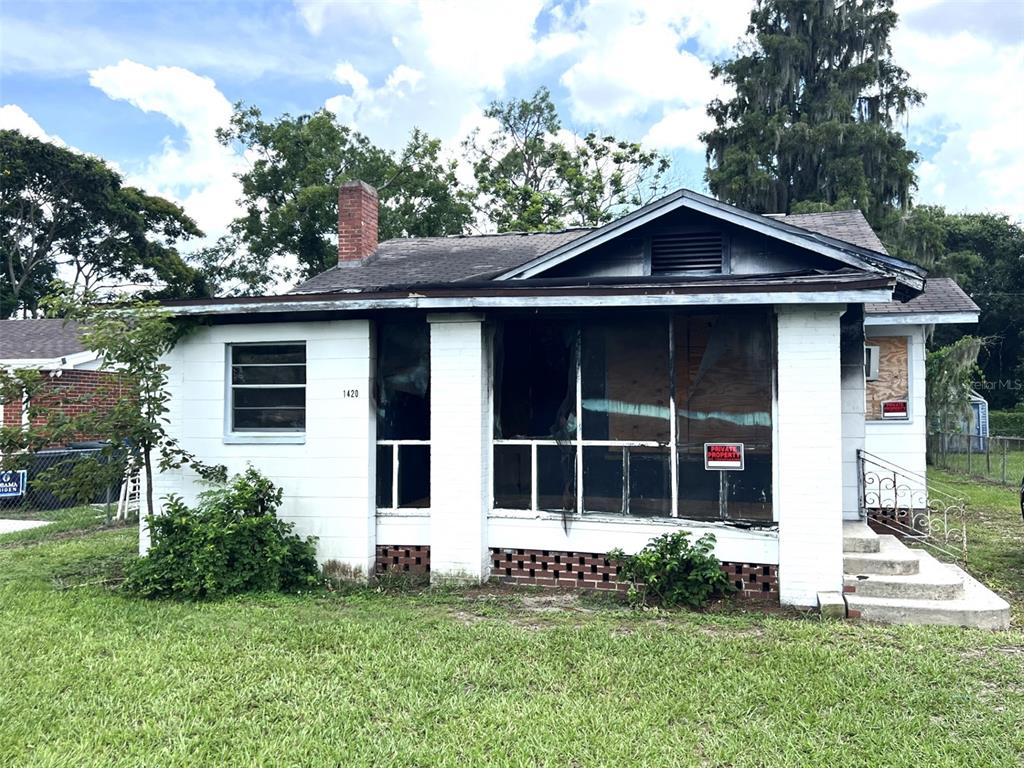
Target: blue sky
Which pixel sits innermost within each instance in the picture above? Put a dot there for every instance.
(145, 85)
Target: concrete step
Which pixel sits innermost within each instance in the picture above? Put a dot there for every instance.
(933, 581)
(858, 537)
(978, 607)
(892, 559)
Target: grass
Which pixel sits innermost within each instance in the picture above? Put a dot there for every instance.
(60, 521)
(995, 537)
(990, 468)
(486, 677)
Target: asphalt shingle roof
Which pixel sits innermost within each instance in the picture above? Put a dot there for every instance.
(38, 339)
(412, 261)
(408, 261)
(850, 226)
(941, 295)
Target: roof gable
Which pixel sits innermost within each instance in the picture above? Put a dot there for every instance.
(809, 237)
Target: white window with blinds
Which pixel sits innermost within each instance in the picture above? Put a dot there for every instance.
(266, 388)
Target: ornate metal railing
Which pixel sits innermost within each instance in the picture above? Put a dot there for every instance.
(907, 504)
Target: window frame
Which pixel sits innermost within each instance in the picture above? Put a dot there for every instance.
(271, 435)
(872, 355)
(393, 446)
(579, 443)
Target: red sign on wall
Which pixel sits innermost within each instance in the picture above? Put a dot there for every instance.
(723, 455)
(895, 409)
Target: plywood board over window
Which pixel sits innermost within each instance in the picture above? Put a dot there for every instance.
(893, 382)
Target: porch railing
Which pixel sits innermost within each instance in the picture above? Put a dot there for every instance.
(897, 500)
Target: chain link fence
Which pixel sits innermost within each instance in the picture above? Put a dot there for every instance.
(997, 459)
(58, 478)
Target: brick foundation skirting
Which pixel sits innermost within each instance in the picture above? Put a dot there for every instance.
(396, 558)
(587, 570)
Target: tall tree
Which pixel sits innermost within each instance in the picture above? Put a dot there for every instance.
(984, 252)
(812, 121)
(67, 215)
(530, 177)
(290, 193)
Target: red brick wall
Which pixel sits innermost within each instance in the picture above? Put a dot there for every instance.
(72, 393)
(587, 570)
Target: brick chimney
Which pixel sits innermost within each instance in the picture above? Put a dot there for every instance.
(357, 221)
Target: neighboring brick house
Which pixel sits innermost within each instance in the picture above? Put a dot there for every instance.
(72, 383)
(515, 406)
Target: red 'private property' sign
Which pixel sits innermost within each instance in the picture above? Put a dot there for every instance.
(723, 455)
(895, 409)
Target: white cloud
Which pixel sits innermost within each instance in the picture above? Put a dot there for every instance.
(198, 173)
(652, 57)
(368, 104)
(447, 59)
(974, 113)
(14, 118)
(680, 129)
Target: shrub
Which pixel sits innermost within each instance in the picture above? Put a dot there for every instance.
(231, 542)
(672, 572)
(1006, 423)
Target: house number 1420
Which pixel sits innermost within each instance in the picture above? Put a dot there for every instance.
(350, 393)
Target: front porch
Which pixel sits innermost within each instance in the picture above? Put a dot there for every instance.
(563, 435)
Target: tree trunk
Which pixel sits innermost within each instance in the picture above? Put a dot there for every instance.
(149, 483)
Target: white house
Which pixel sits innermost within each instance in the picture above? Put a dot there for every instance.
(516, 405)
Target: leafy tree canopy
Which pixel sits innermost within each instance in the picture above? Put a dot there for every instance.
(290, 193)
(812, 119)
(67, 215)
(984, 252)
(529, 177)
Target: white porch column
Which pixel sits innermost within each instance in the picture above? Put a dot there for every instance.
(460, 450)
(810, 458)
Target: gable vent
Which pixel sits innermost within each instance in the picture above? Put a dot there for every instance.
(686, 252)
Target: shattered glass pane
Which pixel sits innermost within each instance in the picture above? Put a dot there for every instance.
(384, 476)
(414, 476)
(650, 481)
(403, 381)
(556, 478)
(602, 479)
(535, 380)
(512, 477)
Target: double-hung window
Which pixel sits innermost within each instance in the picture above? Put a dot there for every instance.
(267, 388)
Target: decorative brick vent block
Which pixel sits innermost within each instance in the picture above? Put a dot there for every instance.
(753, 579)
(555, 569)
(591, 570)
(395, 558)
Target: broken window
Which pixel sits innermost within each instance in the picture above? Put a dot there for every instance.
(403, 415)
(623, 451)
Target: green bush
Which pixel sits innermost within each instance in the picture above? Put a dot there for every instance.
(672, 572)
(1006, 423)
(232, 541)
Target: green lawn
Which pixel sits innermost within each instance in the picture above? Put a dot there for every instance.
(59, 521)
(987, 467)
(486, 677)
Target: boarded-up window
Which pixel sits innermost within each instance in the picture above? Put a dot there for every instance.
(892, 384)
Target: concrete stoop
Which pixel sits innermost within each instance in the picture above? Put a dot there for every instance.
(888, 582)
